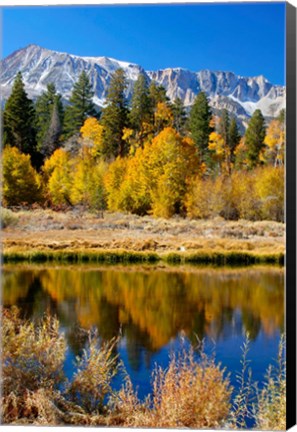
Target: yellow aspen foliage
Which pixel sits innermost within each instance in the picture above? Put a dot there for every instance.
(270, 187)
(113, 180)
(135, 139)
(58, 177)
(208, 197)
(155, 179)
(244, 194)
(135, 189)
(172, 162)
(87, 186)
(275, 142)
(217, 145)
(163, 116)
(21, 183)
(253, 195)
(127, 133)
(240, 153)
(129, 136)
(147, 131)
(92, 133)
(220, 151)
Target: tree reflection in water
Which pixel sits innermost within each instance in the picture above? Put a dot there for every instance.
(150, 306)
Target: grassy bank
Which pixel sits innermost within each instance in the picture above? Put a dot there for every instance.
(126, 257)
(76, 236)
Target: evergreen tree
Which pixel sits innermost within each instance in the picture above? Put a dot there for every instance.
(18, 120)
(114, 116)
(179, 115)
(224, 131)
(282, 116)
(44, 111)
(81, 105)
(51, 139)
(157, 93)
(159, 103)
(254, 138)
(199, 124)
(234, 138)
(140, 105)
(224, 127)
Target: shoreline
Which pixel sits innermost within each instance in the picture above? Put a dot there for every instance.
(78, 237)
(218, 258)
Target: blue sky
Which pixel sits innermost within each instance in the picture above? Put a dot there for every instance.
(247, 39)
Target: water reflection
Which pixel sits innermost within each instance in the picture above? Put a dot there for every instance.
(150, 306)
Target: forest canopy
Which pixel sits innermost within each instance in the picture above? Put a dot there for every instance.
(144, 156)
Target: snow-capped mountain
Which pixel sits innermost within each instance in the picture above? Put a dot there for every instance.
(40, 66)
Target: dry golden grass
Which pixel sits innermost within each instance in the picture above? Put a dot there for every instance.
(78, 232)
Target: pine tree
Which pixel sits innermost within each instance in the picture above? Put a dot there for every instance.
(160, 104)
(140, 105)
(224, 131)
(18, 120)
(199, 124)
(44, 110)
(51, 139)
(254, 138)
(114, 116)
(234, 138)
(81, 105)
(224, 127)
(157, 93)
(179, 115)
(282, 116)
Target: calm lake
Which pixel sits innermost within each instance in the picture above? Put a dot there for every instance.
(155, 309)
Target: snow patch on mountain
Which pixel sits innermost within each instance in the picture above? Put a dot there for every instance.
(240, 95)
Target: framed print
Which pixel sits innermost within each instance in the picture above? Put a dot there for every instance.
(148, 215)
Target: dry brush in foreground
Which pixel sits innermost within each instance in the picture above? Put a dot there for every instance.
(188, 393)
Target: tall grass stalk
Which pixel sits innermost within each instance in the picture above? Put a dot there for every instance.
(270, 409)
(243, 401)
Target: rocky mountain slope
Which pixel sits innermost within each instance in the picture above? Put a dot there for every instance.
(239, 95)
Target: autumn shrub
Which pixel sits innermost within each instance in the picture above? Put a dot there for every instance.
(190, 393)
(92, 381)
(270, 409)
(270, 188)
(32, 361)
(206, 198)
(253, 195)
(244, 195)
(126, 409)
(8, 218)
(34, 387)
(21, 183)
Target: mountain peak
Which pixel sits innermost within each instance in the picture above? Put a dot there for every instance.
(41, 66)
